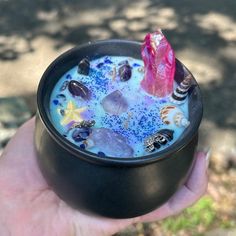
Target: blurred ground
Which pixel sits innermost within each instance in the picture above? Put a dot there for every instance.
(203, 34)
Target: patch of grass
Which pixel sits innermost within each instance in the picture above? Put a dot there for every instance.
(227, 224)
(202, 214)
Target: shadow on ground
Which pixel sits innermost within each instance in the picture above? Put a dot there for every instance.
(201, 29)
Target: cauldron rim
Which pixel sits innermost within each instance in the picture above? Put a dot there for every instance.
(92, 157)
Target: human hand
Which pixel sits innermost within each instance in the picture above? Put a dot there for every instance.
(29, 207)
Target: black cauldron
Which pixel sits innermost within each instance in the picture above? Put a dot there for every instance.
(106, 186)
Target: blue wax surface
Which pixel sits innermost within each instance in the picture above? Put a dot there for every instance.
(141, 119)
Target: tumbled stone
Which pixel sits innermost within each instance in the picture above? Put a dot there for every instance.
(115, 103)
(125, 72)
(78, 89)
(110, 143)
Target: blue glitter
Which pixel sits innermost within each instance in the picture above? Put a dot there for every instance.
(82, 146)
(55, 102)
(68, 76)
(142, 118)
(135, 65)
(101, 154)
(163, 100)
(108, 61)
(99, 65)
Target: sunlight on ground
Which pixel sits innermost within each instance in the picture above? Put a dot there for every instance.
(22, 76)
(213, 21)
(204, 69)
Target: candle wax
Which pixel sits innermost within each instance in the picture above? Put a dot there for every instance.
(125, 114)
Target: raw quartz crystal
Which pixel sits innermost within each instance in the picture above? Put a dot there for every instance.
(110, 142)
(159, 65)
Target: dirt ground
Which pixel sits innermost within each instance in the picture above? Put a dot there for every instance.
(202, 33)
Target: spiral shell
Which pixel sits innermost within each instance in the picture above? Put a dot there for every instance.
(180, 120)
(158, 139)
(173, 114)
(181, 92)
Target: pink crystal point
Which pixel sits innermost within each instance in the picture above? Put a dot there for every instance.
(159, 65)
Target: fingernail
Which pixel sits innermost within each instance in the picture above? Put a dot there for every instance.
(207, 152)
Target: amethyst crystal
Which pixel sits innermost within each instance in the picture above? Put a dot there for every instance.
(110, 142)
(125, 72)
(78, 89)
(83, 66)
(114, 103)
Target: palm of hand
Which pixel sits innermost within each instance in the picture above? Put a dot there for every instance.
(30, 207)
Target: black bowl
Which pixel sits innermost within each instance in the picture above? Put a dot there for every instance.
(107, 186)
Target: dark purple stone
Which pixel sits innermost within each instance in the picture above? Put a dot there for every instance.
(125, 72)
(84, 66)
(78, 89)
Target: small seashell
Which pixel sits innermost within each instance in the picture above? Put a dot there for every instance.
(114, 73)
(83, 124)
(125, 72)
(180, 120)
(62, 112)
(173, 114)
(64, 85)
(126, 122)
(78, 89)
(141, 69)
(84, 66)
(80, 134)
(181, 92)
(158, 139)
(61, 96)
